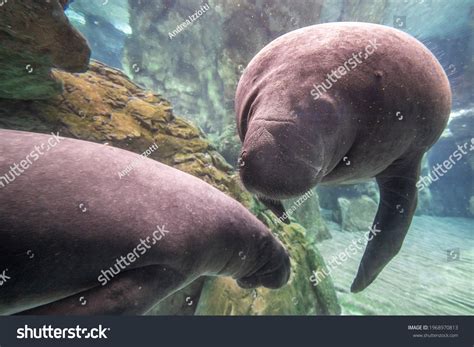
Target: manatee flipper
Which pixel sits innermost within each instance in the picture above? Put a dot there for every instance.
(276, 207)
(398, 199)
(130, 293)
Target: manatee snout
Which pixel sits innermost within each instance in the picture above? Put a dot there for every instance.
(270, 166)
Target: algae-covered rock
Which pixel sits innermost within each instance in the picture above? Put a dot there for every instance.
(104, 106)
(357, 214)
(36, 36)
(307, 212)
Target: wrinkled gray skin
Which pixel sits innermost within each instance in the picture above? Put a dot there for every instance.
(69, 216)
(377, 120)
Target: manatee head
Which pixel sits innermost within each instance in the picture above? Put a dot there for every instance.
(281, 155)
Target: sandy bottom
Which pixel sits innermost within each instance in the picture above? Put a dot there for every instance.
(432, 274)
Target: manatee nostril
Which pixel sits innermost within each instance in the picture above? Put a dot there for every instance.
(241, 160)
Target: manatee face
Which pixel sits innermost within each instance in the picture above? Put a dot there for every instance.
(278, 160)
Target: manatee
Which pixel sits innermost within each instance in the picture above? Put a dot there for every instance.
(340, 103)
(76, 237)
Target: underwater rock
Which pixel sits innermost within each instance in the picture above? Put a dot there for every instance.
(104, 106)
(356, 214)
(329, 195)
(308, 214)
(197, 69)
(35, 37)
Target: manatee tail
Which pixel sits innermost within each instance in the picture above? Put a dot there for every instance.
(398, 199)
(277, 208)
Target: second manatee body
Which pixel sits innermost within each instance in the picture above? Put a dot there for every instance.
(77, 237)
(342, 103)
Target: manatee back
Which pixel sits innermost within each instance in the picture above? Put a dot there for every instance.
(383, 73)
